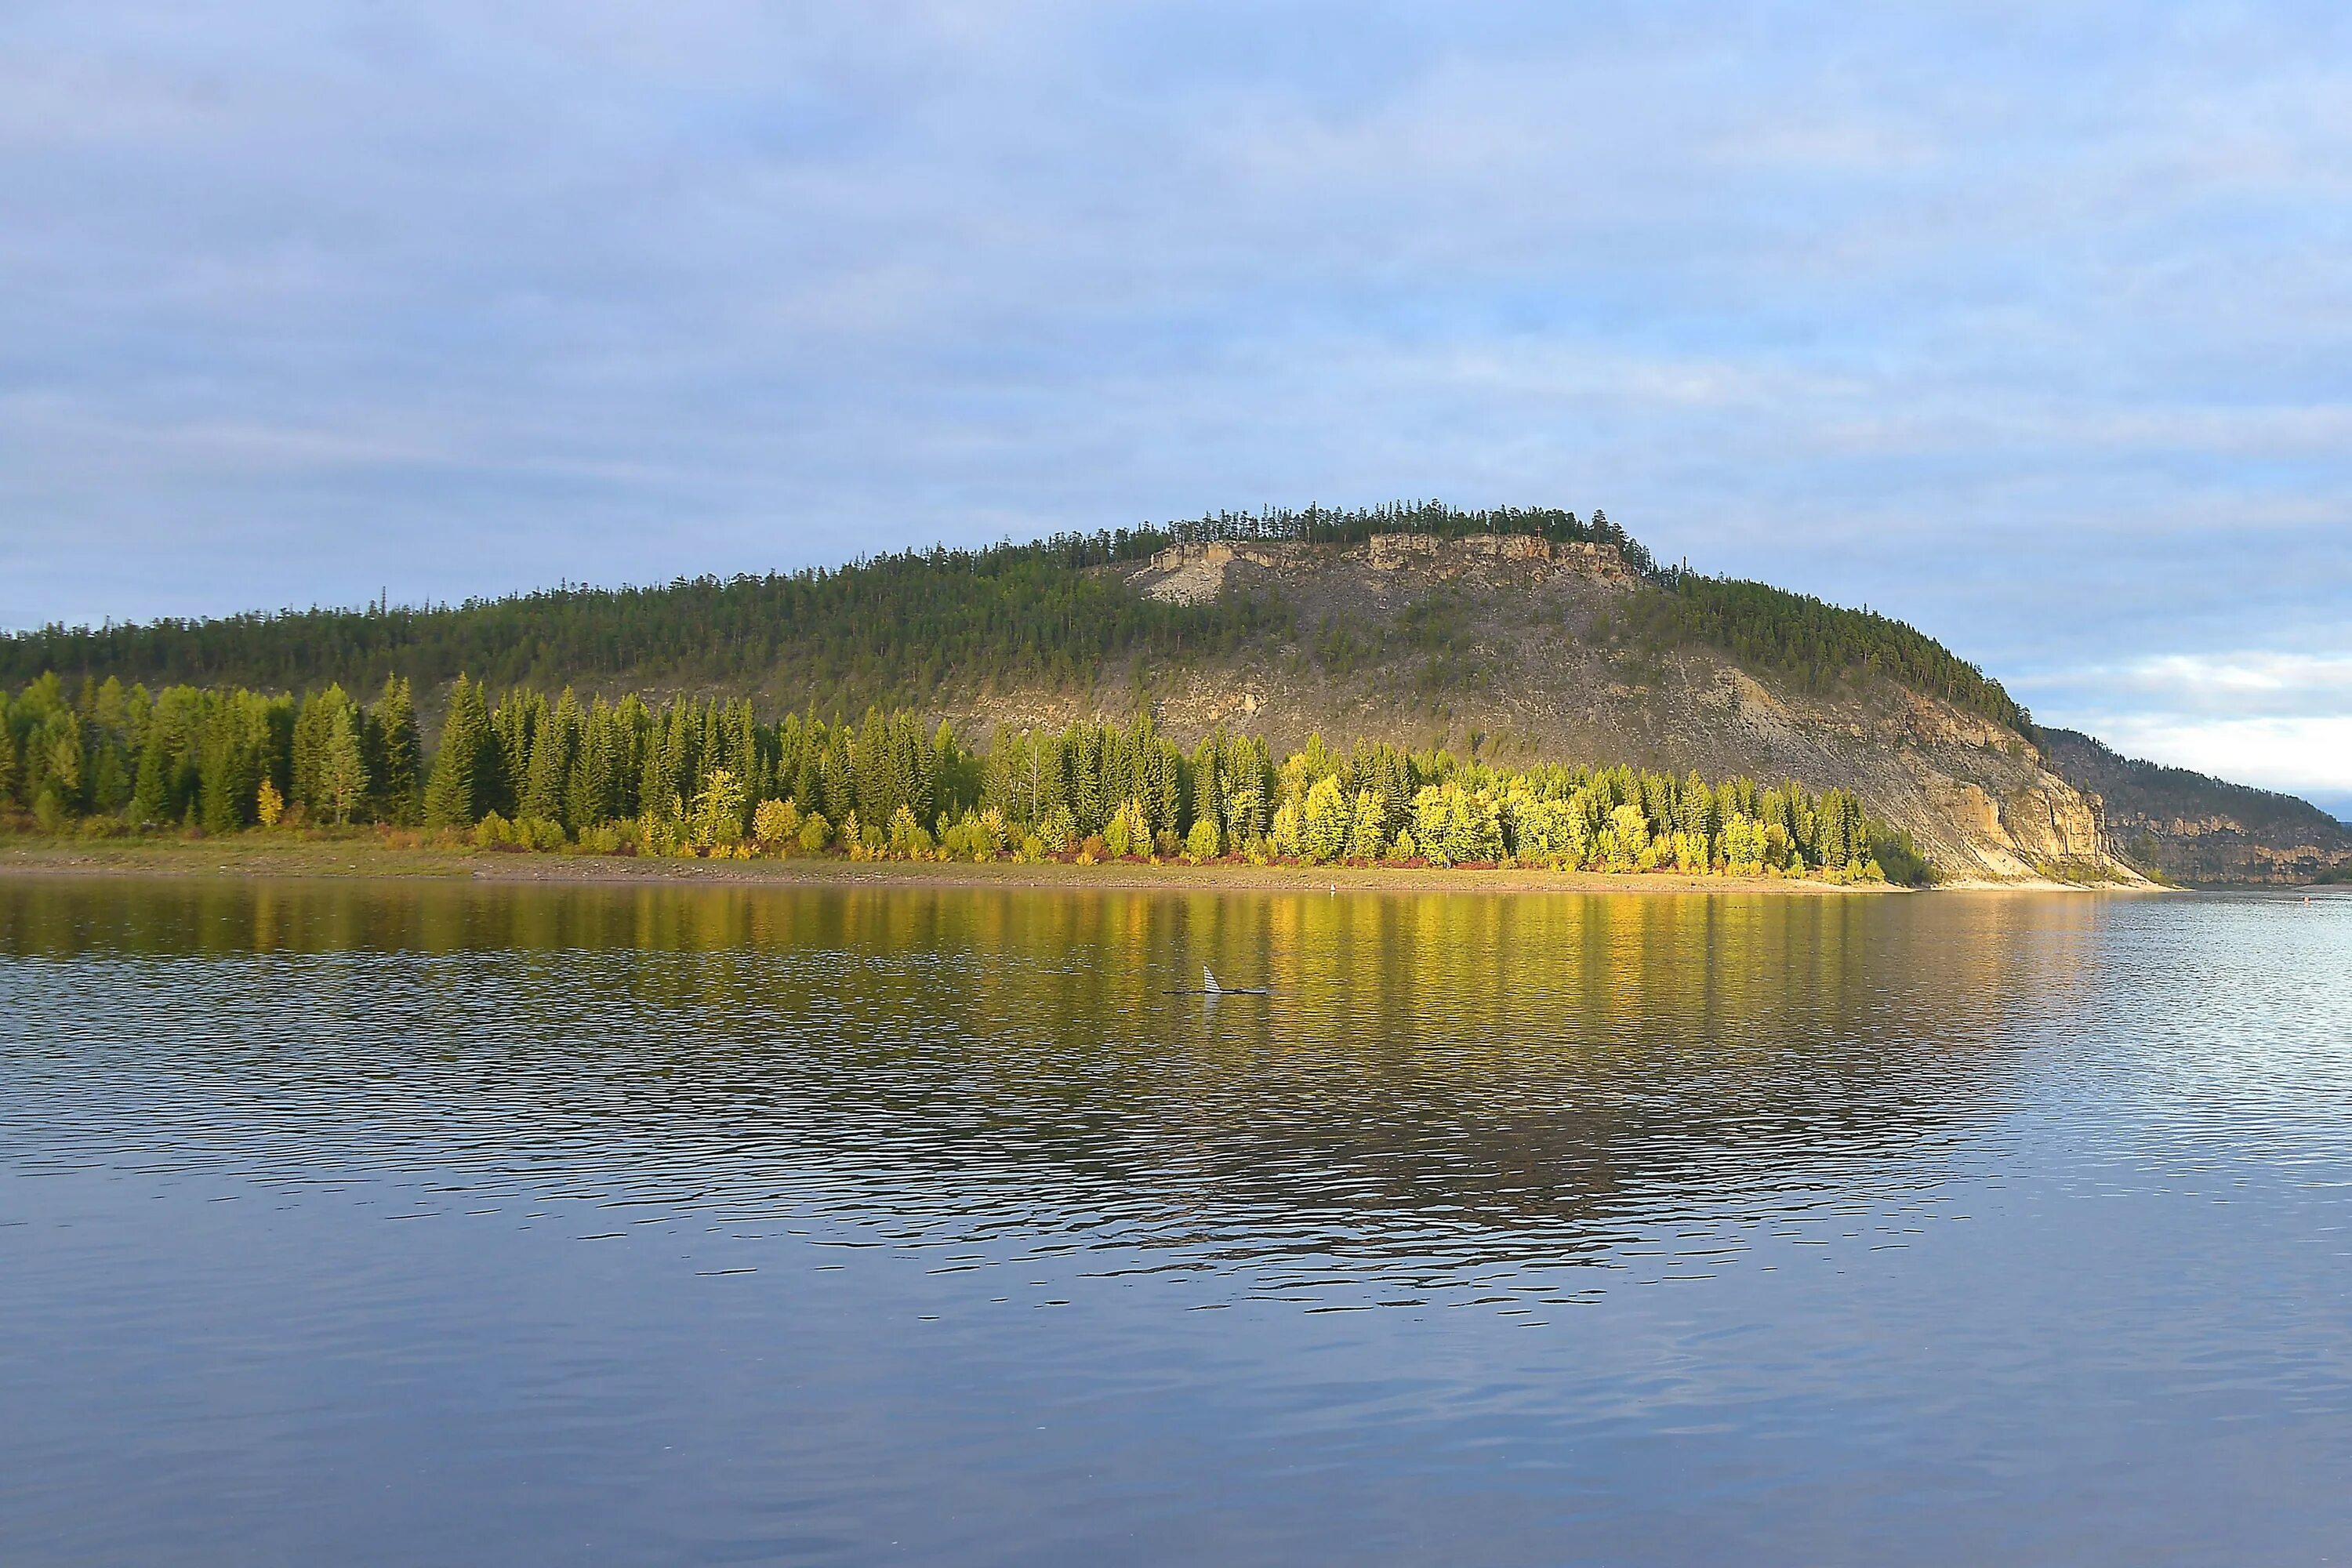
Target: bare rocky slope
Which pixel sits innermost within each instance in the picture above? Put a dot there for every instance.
(2199, 829)
(1517, 649)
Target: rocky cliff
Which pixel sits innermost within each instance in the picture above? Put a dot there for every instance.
(1520, 648)
(2194, 828)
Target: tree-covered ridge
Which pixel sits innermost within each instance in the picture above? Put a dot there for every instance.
(1324, 525)
(705, 777)
(901, 628)
(1814, 642)
(890, 628)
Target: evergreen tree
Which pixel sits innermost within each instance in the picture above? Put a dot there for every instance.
(458, 793)
(513, 725)
(316, 724)
(808, 773)
(63, 756)
(343, 782)
(1208, 783)
(398, 767)
(235, 761)
(590, 795)
(555, 741)
(839, 777)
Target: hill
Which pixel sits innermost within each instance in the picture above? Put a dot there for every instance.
(1507, 638)
(1522, 647)
(2199, 829)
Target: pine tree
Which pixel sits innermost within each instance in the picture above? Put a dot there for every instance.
(64, 757)
(589, 795)
(1087, 799)
(553, 741)
(513, 725)
(343, 782)
(455, 796)
(398, 767)
(808, 775)
(1208, 784)
(839, 777)
(309, 751)
(232, 764)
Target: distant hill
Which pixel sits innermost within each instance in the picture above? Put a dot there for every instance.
(1514, 634)
(2195, 828)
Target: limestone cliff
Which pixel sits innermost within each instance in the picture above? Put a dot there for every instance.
(2194, 828)
(1520, 648)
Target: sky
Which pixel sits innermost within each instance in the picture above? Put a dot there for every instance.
(2029, 323)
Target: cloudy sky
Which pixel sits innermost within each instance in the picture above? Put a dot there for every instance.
(2031, 323)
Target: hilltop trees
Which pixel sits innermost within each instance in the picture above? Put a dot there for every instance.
(899, 630)
(886, 630)
(1815, 641)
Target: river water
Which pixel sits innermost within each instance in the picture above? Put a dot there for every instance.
(377, 1223)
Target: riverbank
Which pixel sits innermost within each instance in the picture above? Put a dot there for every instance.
(269, 855)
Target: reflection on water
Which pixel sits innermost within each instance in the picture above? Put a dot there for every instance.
(771, 1224)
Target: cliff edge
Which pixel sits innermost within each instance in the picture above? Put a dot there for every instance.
(1516, 648)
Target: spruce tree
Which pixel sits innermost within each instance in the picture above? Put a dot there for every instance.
(588, 794)
(454, 795)
(513, 725)
(550, 768)
(399, 768)
(342, 780)
(309, 751)
(66, 757)
(231, 764)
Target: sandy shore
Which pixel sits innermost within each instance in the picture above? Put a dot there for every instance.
(259, 854)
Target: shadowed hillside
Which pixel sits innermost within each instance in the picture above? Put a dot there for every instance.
(2195, 828)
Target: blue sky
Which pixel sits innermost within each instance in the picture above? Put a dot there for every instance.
(2030, 323)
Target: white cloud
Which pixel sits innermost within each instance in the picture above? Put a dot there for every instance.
(2281, 720)
(2226, 686)
(2310, 756)
(2024, 324)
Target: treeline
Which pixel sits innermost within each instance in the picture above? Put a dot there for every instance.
(888, 630)
(217, 761)
(1813, 641)
(703, 776)
(1324, 525)
(898, 630)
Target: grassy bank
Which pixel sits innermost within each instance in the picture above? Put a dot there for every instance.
(263, 854)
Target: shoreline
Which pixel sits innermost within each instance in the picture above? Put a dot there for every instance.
(358, 860)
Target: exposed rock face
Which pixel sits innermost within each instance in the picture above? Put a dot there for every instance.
(2194, 828)
(1508, 644)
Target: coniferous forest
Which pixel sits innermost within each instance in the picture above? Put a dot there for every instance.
(518, 769)
(899, 629)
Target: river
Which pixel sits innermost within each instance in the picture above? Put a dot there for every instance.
(372, 1223)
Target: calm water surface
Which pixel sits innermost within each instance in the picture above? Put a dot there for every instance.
(383, 1224)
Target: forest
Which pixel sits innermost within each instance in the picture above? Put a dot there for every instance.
(1815, 642)
(518, 769)
(903, 630)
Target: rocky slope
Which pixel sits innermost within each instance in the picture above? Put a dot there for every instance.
(1517, 649)
(2199, 829)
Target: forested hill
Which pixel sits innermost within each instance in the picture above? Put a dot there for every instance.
(2197, 829)
(923, 627)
